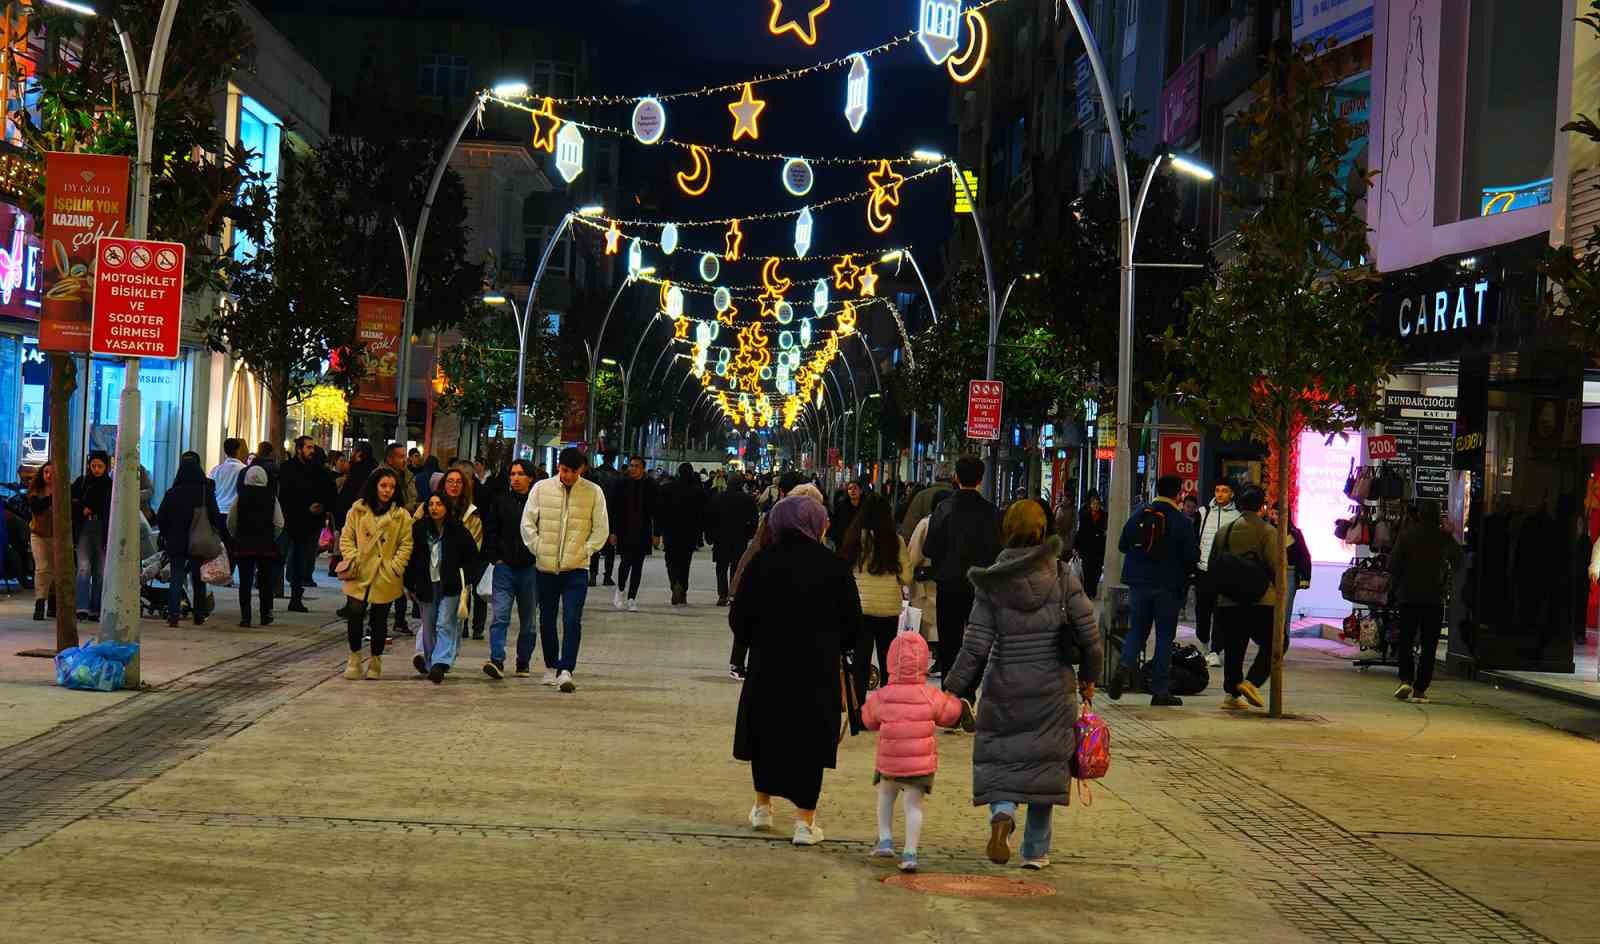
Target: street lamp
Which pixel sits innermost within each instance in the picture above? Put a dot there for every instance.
(520, 319)
(594, 352)
(622, 434)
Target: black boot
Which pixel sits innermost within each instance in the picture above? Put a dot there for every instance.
(1120, 680)
(296, 605)
(38, 610)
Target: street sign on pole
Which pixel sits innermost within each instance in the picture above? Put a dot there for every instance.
(138, 298)
(985, 398)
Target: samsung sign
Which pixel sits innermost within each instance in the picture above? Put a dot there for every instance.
(1457, 308)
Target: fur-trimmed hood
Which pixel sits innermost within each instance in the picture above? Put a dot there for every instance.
(1022, 578)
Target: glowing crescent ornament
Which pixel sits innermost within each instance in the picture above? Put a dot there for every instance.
(669, 238)
(965, 66)
(774, 283)
(722, 299)
(695, 184)
(802, 232)
(780, 24)
(797, 176)
(857, 90)
(710, 267)
(847, 320)
(649, 120)
(545, 126)
(819, 297)
(569, 152)
(939, 28)
(747, 114)
(635, 257)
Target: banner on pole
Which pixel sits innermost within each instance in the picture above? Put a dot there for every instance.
(575, 424)
(378, 325)
(85, 198)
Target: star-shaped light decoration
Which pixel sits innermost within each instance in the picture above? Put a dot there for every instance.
(844, 274)
(884, 180)
(613, 239)
(545, 126)
(780, 24)
(726, 316)
(746, 111)
(735, 240)
(868, 282)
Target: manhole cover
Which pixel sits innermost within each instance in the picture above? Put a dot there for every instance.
(971, 886)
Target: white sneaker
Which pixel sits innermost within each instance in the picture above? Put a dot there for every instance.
(565, 683)
(633, 606)
(806, 835)
(761, 817)
(549, 678)
(1035, 865)
(616, 599)
(1213, 660)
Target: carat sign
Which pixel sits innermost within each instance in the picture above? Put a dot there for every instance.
(984, 400)
(138, 298)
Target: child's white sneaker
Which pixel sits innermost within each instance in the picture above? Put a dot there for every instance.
(806, 835)
(760, 817)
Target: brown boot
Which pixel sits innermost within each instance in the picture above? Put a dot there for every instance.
(352, 668)
(374, 668)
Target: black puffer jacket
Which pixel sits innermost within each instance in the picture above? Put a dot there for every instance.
(502, 531)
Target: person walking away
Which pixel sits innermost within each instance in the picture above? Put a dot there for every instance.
(442, 549)
(514, 574)
(41, 531)
(1241, 622)
(1090, 542)
(1299, 555)
(376, 546)
(797, 611)
(631, 509)
(924, 589)
(791, 484)
(1159, 548)
(1217, 515)
(606, 477)
(190, 492)
(905, 712)
(1025, 739)
(303, 495)
(226, 473)
(881, 565)
(921, 504)
(1420, 564)
(91, 511)
(681, 522)
(732, 524)
(845, 509)
(254, 522)
(564, 523)
(964, 533)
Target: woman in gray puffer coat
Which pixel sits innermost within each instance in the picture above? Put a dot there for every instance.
(1025, 736)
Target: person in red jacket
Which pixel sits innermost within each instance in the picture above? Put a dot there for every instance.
(905, 713)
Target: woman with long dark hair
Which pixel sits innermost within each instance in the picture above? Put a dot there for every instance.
(376, 546)
(191, 491)
(441, 550)
(91, 511)
(41, 527)
(878, 558)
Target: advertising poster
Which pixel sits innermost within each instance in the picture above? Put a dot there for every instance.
(378, 325)
(21, 255)
(575, 425)
(85, 197)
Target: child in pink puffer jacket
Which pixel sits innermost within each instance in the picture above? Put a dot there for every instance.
(904, 713)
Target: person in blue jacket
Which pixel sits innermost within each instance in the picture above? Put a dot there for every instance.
(1156, 560)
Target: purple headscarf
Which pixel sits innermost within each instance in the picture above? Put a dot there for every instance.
(798, 513)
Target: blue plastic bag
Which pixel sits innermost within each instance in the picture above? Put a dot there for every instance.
(95, 667)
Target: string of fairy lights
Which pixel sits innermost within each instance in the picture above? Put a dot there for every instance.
(738, 374)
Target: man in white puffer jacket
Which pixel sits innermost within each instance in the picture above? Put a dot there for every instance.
(563, 524)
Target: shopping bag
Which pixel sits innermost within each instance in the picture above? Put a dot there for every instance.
(204, 542)
(95, 666)
(910, 619)
(325, 540)
(1091, 759)
(218, 570)
(486, 583)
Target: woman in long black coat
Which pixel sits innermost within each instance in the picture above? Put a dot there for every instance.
(190, 491)
(798, 611)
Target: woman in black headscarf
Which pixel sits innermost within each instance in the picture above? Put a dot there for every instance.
(91, 514)
(191, 491)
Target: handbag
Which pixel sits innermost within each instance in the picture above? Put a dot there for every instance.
(1365, 584)
(325, 540)
(910, 619)
(486, 583)
(851, 698)
(203, 540)
(1350, 479)
(1091, 759)
(1066, 632)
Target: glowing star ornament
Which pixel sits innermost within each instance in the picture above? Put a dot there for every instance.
(868, 283)
(710, 267)
(733, 242)
(669, 238)
(545, 126)
(844, 274)
(939, 28)
(965, 66)
(722, 299)
(635, 257)
(802, 232)
(613, 239)
(857, 90)
(797, 176)
(649, 120)
(569, 152)
(696, 182)
(680, 329)
(819, 297)
(725, 316)
(885, 183)
(847, 320)
(746, 114)
(782, 22)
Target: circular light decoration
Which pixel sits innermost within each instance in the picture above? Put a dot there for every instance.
(785, 339)
(710, 267)
(669, 238)
(819, 297)
(722, 299)
(797, 177)
(766, 373)
(784, 313)
(649, 120)
(706, 332)
(635, 256)
(675, 302)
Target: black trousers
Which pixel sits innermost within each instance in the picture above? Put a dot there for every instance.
(629, 572)
(1419, 623)
(1205, 608)
(678, 559)
(724, 572)
(876, 632)
(249, 567)
(1239, 626)
(377, 624)
(1093, 567)
(609, 552)
(951, 612)
(736, 658)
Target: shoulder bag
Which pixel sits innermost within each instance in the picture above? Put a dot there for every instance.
(204, 542)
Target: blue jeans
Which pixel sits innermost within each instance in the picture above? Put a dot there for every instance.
(91, 565)
(567, 590)
(179, 566)
(441, 630)
(1158, 605)
(1036, 834)
(512, 585)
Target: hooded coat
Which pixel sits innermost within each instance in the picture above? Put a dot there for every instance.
(906, 712)
(1025, 736)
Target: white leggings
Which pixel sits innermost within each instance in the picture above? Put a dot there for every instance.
(887, 791)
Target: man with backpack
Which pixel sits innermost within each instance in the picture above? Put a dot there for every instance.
(1159, 547)
(1217, 515)
(1243, 561)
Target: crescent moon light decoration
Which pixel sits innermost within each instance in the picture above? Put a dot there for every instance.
(696, 183)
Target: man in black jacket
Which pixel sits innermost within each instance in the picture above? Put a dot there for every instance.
(964, 533)
(504, 549)
(631, 508)
(1419, 565)
(732, 525)
(607, 478)
(304, 493)
(681, 520)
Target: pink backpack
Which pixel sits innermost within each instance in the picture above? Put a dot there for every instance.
(1092, 758)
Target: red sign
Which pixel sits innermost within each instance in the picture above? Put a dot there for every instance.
(1380, 448)
(379, 322)
(1180, 456)
(138, 298)
(85, 198)
(984, 401)
(1106, 453)
(21, 264)
(575, 424)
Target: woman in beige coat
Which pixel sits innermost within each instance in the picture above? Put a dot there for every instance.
(376, 546)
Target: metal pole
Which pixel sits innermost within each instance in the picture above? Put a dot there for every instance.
(994, 317)
(622, 434)
(594, 357)
(403, 395)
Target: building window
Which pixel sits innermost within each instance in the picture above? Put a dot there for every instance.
(444, 76)
(534, 240)
(260, 134)
(165, 406)
(555, 79)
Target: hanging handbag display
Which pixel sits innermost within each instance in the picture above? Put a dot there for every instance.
(1365, 582)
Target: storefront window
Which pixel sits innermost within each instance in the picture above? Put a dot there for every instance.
(34, 443)
(164, 401)
(10, 392)
(1513, 54)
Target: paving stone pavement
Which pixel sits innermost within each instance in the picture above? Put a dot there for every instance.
(263, 798)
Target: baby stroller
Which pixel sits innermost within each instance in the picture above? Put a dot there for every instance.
(155, 574)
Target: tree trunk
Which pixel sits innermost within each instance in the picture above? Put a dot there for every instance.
(1280, 566)
(278, 419)
(63, 381)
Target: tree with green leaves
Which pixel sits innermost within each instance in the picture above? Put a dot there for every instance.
(480, 373)
(1575, 266)
(1280, 342)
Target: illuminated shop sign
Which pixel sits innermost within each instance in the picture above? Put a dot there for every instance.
(1455, 308)
(1520, 197)
(20, 258)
